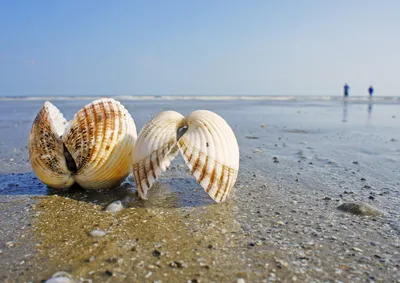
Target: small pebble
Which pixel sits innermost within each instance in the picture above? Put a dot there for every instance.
(114, 207)
(97, 233)
(359, 208)
(240, 280)
(60, 277)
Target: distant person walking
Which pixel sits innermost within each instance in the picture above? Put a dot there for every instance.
(346, 90)
(371, 91)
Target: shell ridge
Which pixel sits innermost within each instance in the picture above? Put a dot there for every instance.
(107, 134)
(210, 150)
(153, 152)
(98, 160)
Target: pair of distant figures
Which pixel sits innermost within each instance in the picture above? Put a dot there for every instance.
(346, 90)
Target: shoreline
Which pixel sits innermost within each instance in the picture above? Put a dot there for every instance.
(206, 98)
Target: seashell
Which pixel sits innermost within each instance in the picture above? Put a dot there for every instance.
(61, 277)
(208, 146)
(115, 206)
(210, 150)
(94, 149)
(155, 148)
(97, 233)
(46, 149)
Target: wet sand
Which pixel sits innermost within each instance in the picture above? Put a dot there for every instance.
(299, 162)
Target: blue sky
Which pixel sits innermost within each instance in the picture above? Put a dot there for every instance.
(193, 47)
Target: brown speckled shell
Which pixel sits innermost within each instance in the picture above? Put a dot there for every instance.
(46, 150)
(101, 138)
(98, 141)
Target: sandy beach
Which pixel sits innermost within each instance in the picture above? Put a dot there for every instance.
(299, 161)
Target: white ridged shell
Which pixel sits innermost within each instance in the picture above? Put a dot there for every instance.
(155, 149)
(210, 150)
(101, 138)
(46, 149)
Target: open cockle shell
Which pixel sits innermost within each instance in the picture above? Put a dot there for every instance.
(155, 149)
(95, 148)
(209, 148)
(46, 149)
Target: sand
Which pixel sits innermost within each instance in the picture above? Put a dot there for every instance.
(299, 162)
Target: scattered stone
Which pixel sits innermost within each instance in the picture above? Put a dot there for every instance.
(97, 233)
(280, 263)
(156, 253)
(61, 277)
(371, 197)
(148, 274)
(178, 264)
(327, 198)
(363, 179)
(359, 208)
(355, 162)
(393, 140)
(357, 249)
(240, 280)
(108, 273)
(114, 207)
(112, 260)
(251, 137)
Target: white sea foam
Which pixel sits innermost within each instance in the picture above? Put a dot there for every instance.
(205, 98)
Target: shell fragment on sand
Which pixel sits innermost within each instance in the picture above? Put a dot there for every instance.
(208, 146)
(115, 206)
(94, 149)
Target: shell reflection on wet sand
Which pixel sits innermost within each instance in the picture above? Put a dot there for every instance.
(94, 149)
(208, 146)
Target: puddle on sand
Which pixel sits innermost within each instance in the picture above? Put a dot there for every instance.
(168, 192)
